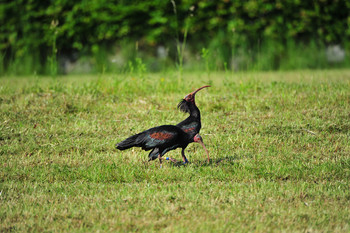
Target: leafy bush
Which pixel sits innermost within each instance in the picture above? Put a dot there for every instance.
(30, 29)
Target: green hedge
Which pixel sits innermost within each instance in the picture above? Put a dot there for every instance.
(41, 30)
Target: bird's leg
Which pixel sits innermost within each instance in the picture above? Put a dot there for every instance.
(160, 160)
(171, 159)
(183, 156)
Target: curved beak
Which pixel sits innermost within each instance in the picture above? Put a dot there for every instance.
(194, 92)
(201, 142)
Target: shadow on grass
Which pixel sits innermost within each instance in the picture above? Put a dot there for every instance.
(227, 160)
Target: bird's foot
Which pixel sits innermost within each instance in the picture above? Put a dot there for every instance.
(185, 161)
(171, 159)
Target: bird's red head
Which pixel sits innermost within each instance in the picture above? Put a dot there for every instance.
(191, 97)
(189, 100)
(197, 138)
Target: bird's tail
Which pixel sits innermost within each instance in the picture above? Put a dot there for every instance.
(128, 143)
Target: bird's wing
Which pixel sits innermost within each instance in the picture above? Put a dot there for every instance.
(162, 135)
(191, 127)
(158, 138)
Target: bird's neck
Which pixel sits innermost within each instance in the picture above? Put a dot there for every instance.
(194, 111)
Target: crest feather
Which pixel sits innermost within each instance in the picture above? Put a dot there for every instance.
(183, 106)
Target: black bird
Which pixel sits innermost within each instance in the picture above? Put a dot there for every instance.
(192, 124)
(160, 140)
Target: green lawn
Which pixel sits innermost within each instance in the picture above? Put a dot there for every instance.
(278, 142)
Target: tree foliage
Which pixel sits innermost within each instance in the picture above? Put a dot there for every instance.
(32, 26)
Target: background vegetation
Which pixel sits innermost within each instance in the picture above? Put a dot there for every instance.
(44, 37)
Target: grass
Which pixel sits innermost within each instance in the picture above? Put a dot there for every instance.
(278, 141)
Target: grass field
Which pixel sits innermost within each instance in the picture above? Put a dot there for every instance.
(278, 142)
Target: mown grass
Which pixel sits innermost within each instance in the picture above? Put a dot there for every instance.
(279, 147)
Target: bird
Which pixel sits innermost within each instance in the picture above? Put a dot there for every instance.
(160, 140)
(192, 124)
